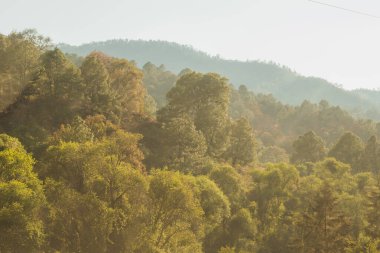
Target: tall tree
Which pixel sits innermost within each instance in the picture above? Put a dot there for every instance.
(273, 154)
(205, 99)
(325, 228)
(76, 222)
(370, 159)
(158, 82)
(125, 80)
(373, 212)
(271, 191)
(175, 214)
(229, 181)
(113, 87)
(19, 54)
(348, 149)
(97, 91)
(51, 98)
(21, 199)
(184, 147)
(242, 147)
(308, 148)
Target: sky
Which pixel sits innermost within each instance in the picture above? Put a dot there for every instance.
(311, 39)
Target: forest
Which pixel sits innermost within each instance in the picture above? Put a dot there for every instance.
(265, 77)
(99, 155)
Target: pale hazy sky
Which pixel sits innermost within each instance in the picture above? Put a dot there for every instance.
(311, 39)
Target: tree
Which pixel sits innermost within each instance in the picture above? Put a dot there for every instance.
(113, 87)
(19, 54)
(67, 162)
(77, 131)
(79, 163)
(325, 229)
(242, 228)
(102, 175)
(272, 190)
(76, 222)
(184, 147)
(370, 159)
(125, 81)
(242, 148)
(126, 191)
(175, 214)
(158, 82)
(330, 168)
(348, 149)
(204, 98)
(308, 148)
(214, 202)
(52, 97)
(97, 92)
(373, 212)
(273, 154)
(229, 181)
(59, 78)
(21, 199)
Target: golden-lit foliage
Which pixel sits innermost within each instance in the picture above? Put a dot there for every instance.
(219, 170)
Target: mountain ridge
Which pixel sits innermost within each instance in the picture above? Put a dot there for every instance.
(285, 84)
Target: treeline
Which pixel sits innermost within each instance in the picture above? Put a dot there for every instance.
(264, 77)
(276, 125)
(89, 164)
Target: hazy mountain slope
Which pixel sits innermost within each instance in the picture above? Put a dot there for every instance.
(284, 84)
(372, 95)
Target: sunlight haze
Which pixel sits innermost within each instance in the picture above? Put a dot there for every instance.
(312, 39)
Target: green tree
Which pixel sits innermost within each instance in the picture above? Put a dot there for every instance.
(101, 175)
(271, 190)
(325, 228)
(58, 79)
(76, 222)
(97, 92)
(78, 164)
(370, 159)
(229, 181)
(348, 149)
(242, 148)
(125, 81)
(113, 87)
(205, 99)
(308, 148)
(273, 154)
(51, 98)
(373, 212)
(175, 213)
(126, 190)
(158, 82)
(242, 229)
(77, 131)
(21, 199)
(184, 147)
(19, 54)
(214, 202)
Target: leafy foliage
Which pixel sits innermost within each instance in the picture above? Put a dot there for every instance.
(211, 173)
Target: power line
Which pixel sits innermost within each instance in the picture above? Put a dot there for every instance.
(345, 9)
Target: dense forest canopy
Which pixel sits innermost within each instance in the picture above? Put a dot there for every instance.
(262, 77)
(98, 155)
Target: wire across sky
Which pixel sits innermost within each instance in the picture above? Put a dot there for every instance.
(345, 9)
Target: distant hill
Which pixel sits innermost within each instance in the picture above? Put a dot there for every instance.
(261, 77)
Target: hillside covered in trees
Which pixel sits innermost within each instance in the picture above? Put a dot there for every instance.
(262, 77)
(98, 155)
